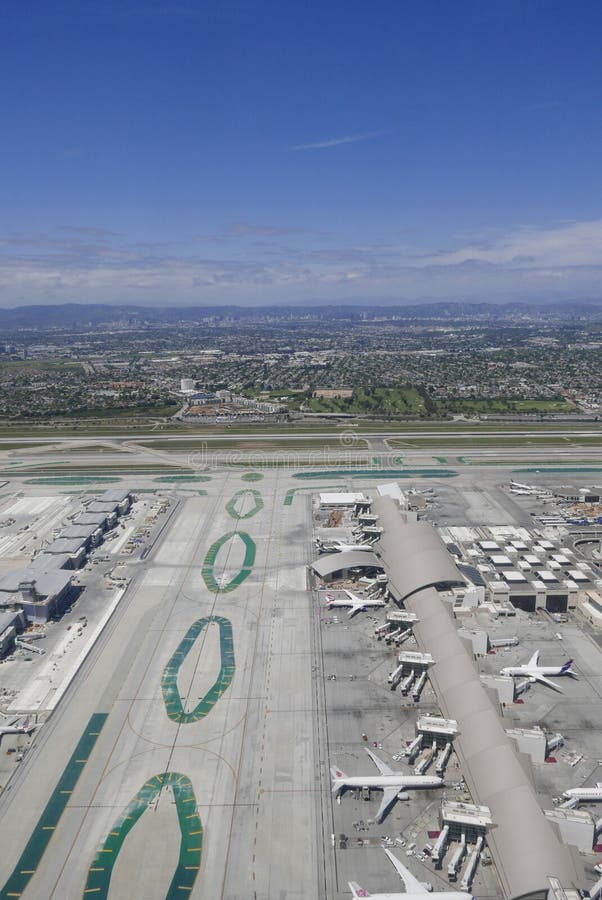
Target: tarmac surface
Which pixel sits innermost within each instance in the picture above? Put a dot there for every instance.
(249, 758)
(190, 754)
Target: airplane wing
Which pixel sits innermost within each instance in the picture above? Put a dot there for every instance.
(354, 609)
(357, 891)
(353, 597)
(389, 795)
(382, 767)
(547, 681)
(411, 884)
(533, 661)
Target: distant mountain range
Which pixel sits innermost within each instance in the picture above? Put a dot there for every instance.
(81, 315)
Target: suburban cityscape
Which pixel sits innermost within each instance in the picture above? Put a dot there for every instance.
(428, 364)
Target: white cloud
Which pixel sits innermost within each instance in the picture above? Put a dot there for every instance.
(336, 142)
(564, 261)
(568, 244)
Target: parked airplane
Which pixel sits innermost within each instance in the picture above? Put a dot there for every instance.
(524, 487)
(336, 546)
(356, 603)
(414, 889)
(585, 793)
(534, 672)
(392, 784)
(12, 728)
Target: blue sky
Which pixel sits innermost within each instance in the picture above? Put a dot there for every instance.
(288, 152)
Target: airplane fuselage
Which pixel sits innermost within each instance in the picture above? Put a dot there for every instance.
(340, 602)
(444, 895)
(546, 671)
(593, 793)
(388, 781)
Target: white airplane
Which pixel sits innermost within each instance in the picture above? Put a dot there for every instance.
(524, 487)
(392, 784)
(414, 889)
(585, 793)
(534, 672)
(11, 728)
(356, 603)
(336, 546)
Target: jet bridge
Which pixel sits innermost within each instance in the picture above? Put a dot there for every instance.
(411, 659)
(465, 819)
(401, 617)
(434, 728)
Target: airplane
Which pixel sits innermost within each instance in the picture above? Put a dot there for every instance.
(524, 487)
(336, 546)
(392, 784)
(585, 793)
(356, 603)
(534, 672)
(414, 889)
(11, 728)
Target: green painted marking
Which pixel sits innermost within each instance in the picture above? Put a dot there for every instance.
(252, 476)
(183, 478)
(169, 681)
(545, 469)
(460, 459)
(290, 494)
(40, 838)
(191, 833)
(208, 570)
(73, 479)
(379, 473)
(239, 500)
(398, 460)
(441, 459)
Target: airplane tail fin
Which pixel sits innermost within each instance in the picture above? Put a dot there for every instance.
(357, 891)
(566, 669)
(338, 777)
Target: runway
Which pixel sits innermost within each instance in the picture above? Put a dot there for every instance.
(219, 745)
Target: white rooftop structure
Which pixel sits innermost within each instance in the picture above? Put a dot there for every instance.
(391, 489)
(489, 545)
(412, 657)
(401, 615)
(546, 575)
(342, 499)
(514, 577)
(500, 559)
(437, 725)
(466, 813)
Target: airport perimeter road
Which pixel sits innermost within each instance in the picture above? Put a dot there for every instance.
(181, 762)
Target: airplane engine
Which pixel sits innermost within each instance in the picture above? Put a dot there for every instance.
(403, 795)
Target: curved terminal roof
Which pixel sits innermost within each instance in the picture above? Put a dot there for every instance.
(525, 846)
(414, 555)
(329, 563)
